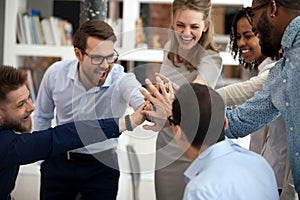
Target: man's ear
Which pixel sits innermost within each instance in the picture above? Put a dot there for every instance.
(180, 137)
(274, 9)
(78, 54)
(225, 123)
(176, 130)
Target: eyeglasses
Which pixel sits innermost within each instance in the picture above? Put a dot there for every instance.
(98, 59)
(172, 122)
(259, 6)
(250, 14)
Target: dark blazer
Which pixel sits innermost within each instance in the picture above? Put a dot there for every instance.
(19, 149)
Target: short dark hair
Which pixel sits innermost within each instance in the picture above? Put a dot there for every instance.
(200, 112)
(290, 4)
(93, 28)
(11, 79)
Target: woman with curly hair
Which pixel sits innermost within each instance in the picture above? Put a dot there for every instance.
(269, 141)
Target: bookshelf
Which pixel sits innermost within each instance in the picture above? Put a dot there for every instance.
(13, 52)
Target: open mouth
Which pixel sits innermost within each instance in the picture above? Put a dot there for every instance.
(186, 40)
(101, 75)
(245, 51)
(26, 118)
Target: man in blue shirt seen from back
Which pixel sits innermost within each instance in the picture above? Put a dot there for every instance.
(198, 124)
(221, 169)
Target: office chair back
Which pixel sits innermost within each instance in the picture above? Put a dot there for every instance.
(134, 170)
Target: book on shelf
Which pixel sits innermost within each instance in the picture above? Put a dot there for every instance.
(66, 32)
(21, 36)
(37, 26)
(55, 27)
(69, 33)
(47, 31)
(33, 29)
(28, 31)
(35, 67)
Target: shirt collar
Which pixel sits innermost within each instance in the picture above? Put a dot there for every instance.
(217, 150)
(73, 72)
(266, 64)
(291, 32)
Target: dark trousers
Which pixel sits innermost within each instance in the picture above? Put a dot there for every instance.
(63, 179)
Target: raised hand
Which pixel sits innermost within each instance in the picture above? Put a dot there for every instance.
(160, 99)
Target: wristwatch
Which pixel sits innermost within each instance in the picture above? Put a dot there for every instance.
(128, 123)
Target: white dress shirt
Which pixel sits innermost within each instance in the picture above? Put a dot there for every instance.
(61, 89)
(227, 171)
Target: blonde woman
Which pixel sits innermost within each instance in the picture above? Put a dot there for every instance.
(190, 56)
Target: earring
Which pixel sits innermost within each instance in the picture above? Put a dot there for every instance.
(272, 15)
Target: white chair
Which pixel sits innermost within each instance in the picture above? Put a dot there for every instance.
(134, 171)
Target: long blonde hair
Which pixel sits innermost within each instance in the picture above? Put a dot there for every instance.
(206, 40)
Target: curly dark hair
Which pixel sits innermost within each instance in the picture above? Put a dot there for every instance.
(235, 50)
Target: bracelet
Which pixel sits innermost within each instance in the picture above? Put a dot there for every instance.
(128, 123)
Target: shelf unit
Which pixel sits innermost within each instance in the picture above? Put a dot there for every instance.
(14, 52)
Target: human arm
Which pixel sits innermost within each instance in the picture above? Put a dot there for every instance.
(129, 86)
(30, 147)
(238, 93)
(254, 114)
(44, 104)
(136, 118)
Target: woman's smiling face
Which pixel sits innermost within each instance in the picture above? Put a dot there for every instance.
(188, 26)
(248, 42)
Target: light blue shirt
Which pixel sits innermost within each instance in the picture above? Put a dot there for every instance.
(280, 95)
(226, 171)
(61, 89)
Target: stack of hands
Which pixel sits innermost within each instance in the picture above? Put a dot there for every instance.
(158, 103)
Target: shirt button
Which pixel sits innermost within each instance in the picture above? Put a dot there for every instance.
(287, 103)
(297, 154)
(287, 60)
(291, 128)
(284, 80)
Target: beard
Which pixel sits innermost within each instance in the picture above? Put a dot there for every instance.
(269, 37)
(18, 126)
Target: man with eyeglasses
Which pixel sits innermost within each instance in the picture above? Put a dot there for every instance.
(277, 23)
(92, 86)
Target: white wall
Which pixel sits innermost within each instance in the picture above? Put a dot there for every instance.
(2, 6)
